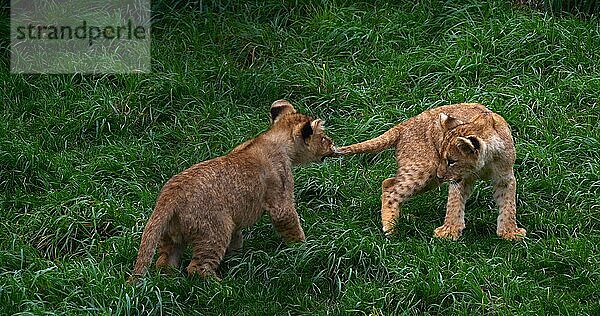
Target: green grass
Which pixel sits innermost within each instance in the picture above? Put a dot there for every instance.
(577, 7)
(82, 159)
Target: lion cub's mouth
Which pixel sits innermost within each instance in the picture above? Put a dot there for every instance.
(333, 152)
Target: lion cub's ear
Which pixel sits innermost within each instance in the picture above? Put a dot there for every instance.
(310, 128)
(279, 108)
(317, 124)
(307, 130)
(448, 122)
(469, 144)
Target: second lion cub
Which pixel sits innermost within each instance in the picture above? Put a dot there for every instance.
(207, 205)
(456, 143)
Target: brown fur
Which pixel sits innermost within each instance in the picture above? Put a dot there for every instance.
(209, 204)
(456, 143)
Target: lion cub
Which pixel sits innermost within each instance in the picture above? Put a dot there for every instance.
(208, 204)
(456, 143)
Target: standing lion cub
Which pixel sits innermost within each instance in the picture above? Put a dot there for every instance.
(207, 205)
(456, 143)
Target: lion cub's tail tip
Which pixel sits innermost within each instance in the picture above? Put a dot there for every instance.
(340, 151)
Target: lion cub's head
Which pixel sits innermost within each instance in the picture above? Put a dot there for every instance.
(463, 147)
(308, 138)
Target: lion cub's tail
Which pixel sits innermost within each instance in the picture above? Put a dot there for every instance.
(153, 232)
(377, 144)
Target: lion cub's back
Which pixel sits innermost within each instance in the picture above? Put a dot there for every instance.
(416, 128)
(461, 111)
(223, 185)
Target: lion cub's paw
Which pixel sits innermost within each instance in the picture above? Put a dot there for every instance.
(447, 232)
(515, 234)
(389, 230)
(203, 272)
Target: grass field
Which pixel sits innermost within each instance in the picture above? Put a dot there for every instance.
(82, 159)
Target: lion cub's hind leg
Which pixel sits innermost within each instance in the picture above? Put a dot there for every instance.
(410, 180)
(169, 254)
(207, 254)
(389, 208)
(208, 248)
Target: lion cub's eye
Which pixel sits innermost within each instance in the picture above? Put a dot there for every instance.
(451, 161)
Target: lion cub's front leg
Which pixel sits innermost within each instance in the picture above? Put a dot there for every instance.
(454, 222)
(287, 224)
(285, 219)
(504, 194)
